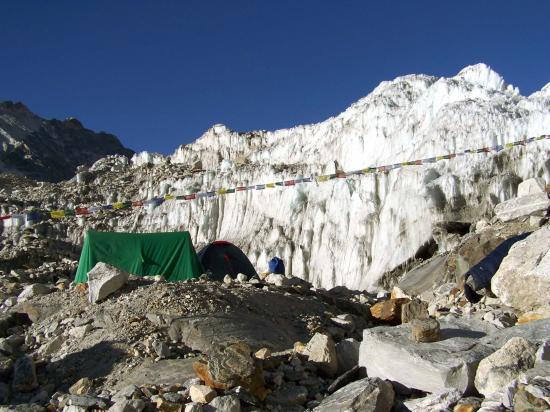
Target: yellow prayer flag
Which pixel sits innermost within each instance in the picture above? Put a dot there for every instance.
(323, 178)
(509, 145)
(168, 197)
(438, 158)
(118, 205)
(221, 191)
(270, 185)
(57, 214)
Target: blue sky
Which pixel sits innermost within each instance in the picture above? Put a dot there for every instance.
(159, 73)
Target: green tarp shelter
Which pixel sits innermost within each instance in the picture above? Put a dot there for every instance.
(170, 254)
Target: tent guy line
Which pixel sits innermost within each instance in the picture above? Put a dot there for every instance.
(83, 211)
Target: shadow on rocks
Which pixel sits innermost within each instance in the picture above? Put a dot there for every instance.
(97, 361)
(449, 333)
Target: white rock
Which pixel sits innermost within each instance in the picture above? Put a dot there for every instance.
(52, 346)
(322, 352)
(543, 352)
(80, 331)
(227, 279)
(193, 407)
(103, 280)
(276, 279)
(241, 278)
(128, 405)
(36, 289)
(228, 403)
(497, 370)
(531, 186)
(201, 393)
(436, 402)
(536, 203)
(523, 278)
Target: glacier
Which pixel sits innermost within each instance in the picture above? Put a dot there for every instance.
(351, 231)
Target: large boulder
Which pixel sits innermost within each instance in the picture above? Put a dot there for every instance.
(531, 186)
(365, 395)
(347, 353)
(529, 205)
(436, 402)
(389, 353)
(523, 278)
(322, 352)
(501, 367)
(103, 280)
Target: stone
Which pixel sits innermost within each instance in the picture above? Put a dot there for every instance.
(6, 364)
(388, 311)
(241, 278)
(543, 352)
(81, 387)
(321, 351)
(228, 280)
(501, 367)
(165, 405)
(344, 321)
(524, 273)
(52, 346)
(36, 289)
(414, 309)
(86, 401)
(469, 404)
(193, 407)
(389, 353)
(288, 394)
(24, 375)
(161, 349)
(162, 372)
(424, 277)
(347, 354)
(103, 280)
(441, 401)
(232, 365)
(262, 353)
(128, 405)
(276, 279)
(501, 318)
(80, 331)
(536, 203)
(530, 316)
(228, 403)
(365, 395)
(397, 293)
(351, 375)
(425, 330)
(531, 186)
(201, 393)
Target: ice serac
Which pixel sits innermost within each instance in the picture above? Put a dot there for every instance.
(349, 232)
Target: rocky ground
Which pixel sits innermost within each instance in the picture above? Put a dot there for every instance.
(276, 343)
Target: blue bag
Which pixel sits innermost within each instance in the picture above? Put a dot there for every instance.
(276, 265)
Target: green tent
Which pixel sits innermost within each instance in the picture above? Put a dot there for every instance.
(170, 254)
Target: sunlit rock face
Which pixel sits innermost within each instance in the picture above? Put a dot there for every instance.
(350, 231)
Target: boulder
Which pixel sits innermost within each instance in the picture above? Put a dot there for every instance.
(228, 403)
(276, 279)
(543, 352)
(501, 367)
(388, 311)
(532, 391)
(523, 278)
(423, 277)
(531, 186)
(365, 395)
(321, 351)
(536, 203)
(388, 352)
(103, 280)
(347, 354)
(231, 365)
(351, 375)
(201, 393)
(52, 346)
(193, 407)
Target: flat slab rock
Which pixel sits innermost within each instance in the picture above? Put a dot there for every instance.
(389, 353)
(166, 371)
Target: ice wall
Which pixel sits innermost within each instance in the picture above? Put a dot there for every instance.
(349, 232)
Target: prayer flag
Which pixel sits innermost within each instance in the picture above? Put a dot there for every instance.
(260, 187)
(57, 214)
(289, 183)
(270, 185)
(168, 197)
(82, 211)
(240, 188)
(190, 197)
(322, 178)
(137, 203)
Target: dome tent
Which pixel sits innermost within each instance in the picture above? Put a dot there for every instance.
(170, 254)
(222, 258)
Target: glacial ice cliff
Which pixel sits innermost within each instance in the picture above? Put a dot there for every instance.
(350, 231)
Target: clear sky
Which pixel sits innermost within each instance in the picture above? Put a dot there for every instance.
(159, 73)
